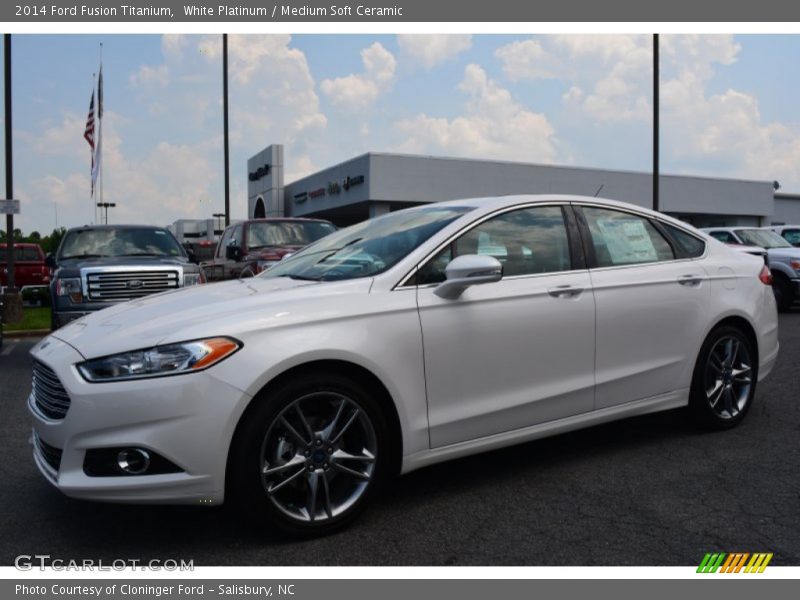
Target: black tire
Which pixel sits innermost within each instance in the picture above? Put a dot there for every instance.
(738, 379)
(255, 447)
(784, 295)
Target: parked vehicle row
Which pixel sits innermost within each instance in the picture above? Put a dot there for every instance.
(417, 337)
(783, 258)
(99, 266)
(29, 265)
(249, 247)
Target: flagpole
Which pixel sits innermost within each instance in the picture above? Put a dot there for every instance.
(91, 194)
(100, 124)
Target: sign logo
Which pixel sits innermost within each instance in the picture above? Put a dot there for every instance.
(135, 284)
(349, 182)
(258, 173)
(735, 562)
(334, 187)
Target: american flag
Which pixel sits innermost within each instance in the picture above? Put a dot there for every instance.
(88, 133)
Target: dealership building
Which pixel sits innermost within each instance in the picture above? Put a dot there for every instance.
(376, 183)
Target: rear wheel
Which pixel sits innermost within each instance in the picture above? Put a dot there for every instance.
(724, 380)
(309, 456)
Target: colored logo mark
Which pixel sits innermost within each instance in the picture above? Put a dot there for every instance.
(735, 562)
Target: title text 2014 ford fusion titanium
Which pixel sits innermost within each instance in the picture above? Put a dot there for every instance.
(420, 336)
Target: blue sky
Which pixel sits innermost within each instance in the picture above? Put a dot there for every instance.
(729, 108)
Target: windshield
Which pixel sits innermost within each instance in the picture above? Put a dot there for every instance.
(286, 233)
(90, 243)
(367, 248)
(763, 238)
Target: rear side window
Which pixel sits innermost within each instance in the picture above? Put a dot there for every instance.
(724, 237)
(689, 246)
(621, 238)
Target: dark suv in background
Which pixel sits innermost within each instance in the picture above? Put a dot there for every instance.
(99, 266)
(247, 248)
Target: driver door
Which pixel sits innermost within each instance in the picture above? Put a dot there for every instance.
(517, 352)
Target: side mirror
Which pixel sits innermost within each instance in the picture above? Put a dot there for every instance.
(233, 252)
(50, 260)
(467, 270)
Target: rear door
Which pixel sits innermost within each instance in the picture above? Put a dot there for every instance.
(652, 306)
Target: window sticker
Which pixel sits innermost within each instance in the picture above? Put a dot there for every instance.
(627, 241)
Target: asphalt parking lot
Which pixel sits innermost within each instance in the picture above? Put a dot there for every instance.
(646, 491)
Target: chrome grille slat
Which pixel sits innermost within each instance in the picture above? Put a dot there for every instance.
(49, 395)
(114, 285)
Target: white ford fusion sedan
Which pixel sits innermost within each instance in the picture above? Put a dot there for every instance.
(424, 335)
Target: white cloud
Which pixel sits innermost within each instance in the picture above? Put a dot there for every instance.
(529, 60)
(494, 126)
(359, 90)
(432, 50)
(148, 76)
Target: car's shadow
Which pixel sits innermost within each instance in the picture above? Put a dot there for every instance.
(218, 536)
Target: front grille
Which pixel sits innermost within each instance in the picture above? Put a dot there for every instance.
(49, 395)
(50, 454)
(118, 286)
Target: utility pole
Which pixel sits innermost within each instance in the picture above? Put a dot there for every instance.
(12, 300)
(9, 163)
(225, 127)
(655, 122)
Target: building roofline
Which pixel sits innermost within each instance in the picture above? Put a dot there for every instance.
(523, 164)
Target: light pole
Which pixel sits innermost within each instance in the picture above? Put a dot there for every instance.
(106, 205)
(225, 128)
(655, 122)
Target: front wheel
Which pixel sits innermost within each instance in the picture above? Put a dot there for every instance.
(308, 457)
(724, 380)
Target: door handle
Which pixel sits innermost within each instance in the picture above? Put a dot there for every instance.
(690, 279)
(565, 291)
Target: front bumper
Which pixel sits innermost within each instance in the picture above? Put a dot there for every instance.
(187, 419)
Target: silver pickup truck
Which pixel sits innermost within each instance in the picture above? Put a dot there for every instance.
(783, 258)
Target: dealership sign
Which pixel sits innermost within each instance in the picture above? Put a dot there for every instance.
(349, 182)
(258, 173)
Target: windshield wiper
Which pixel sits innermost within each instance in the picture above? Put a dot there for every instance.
(71, 256)
(143, 254)
(299, 277)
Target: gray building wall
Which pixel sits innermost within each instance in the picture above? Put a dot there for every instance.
(787, 210)
(396, 180)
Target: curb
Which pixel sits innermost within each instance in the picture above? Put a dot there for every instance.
(26, 333)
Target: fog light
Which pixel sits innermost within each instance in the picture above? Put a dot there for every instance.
(133, 461)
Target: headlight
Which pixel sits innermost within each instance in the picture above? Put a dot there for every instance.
(173, 359)
(70, 286)
(192, 279)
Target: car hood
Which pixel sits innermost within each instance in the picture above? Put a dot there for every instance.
(232, 308)
(120, 261)
(787, 253)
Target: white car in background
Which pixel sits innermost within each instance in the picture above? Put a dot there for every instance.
(424, 335)
(783, 259)
(791, 233)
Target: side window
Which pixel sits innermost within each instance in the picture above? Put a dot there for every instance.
(792, 236)
(237, 235)
(624, 239)
(689, 245)
(223, 242)
(525, 241)
(724, 237)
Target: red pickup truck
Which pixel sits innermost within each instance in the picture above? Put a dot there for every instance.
(29, 267)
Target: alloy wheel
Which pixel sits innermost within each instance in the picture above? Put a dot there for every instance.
(318, 457)
(728, 377)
